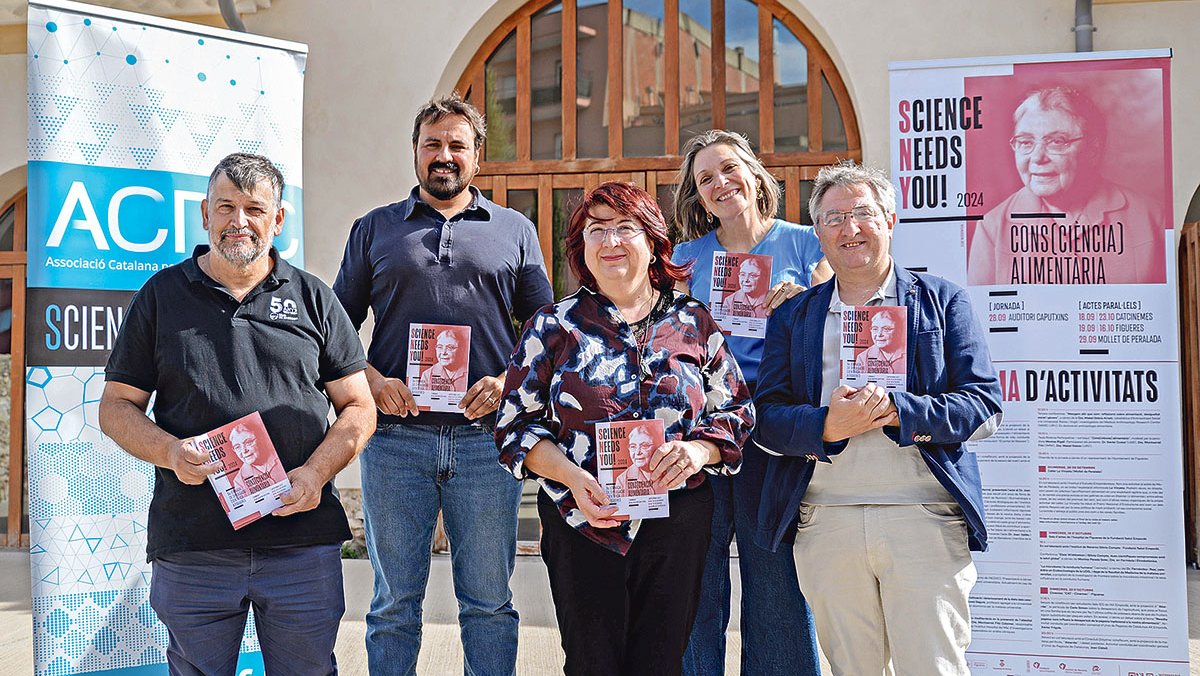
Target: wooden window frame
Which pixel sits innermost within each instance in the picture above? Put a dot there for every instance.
(13, 266)
(524, 173)
(819, 64)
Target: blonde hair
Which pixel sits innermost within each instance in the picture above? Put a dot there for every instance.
(690, 215)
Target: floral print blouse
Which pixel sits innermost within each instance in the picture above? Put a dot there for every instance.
(578, 363)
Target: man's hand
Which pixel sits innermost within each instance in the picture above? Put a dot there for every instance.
(391, 395)
(854, 411)
(779, 293)
(592, 500)
(189, 463)
(482, 398)
(305, 493)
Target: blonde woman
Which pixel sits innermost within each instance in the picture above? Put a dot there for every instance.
(726, 202)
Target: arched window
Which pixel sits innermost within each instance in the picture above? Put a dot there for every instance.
(577, 92)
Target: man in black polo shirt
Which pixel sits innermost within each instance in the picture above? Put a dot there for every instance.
(233, 330)
(446, 255)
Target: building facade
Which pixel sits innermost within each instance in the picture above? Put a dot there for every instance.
(806, 80)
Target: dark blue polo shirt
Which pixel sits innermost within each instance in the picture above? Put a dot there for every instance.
(409, 264)
(211, 359)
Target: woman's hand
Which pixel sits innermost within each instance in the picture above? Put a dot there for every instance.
(592, 500)
(781, 292)
(675, 461)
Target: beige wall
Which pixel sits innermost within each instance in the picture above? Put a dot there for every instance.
(12, 122)
(372, 63)
(863, 36)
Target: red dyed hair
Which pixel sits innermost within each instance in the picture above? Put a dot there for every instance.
(632, 202)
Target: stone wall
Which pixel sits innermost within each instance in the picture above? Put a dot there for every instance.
(351, 499)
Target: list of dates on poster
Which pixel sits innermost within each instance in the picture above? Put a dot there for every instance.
(1066, 248)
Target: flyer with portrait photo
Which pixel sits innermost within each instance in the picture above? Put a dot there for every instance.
(251, 481)
(439, 356)
(623, 452)
(874, 346)
(737, 299)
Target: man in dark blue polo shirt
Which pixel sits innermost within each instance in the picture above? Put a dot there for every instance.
(230, 331)
(445, 256)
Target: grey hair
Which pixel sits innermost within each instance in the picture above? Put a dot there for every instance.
(750, 261)
(1072, 103)
(848, 173)
(689, 213)
(891, 315)
(246, 171)
(452, 104)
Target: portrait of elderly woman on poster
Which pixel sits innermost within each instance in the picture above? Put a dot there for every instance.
(641, 449)
(887, 350)
(750, 300)
(1058, 144)
(626, 346)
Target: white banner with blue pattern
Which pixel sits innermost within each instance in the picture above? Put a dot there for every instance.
(128, 114)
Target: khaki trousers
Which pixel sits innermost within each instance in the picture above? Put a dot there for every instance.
(888, 586)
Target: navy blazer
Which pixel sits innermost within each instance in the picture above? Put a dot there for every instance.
(952, 396)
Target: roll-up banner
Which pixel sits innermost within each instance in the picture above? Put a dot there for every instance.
(128, 115)
(1043, 185)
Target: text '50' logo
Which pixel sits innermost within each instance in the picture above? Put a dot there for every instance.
(284, 308)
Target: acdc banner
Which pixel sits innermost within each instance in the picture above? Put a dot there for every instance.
(1043, 185)
(128, 114)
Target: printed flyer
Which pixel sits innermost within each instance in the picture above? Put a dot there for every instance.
(623, 452)
(438, 360)
(1043, 185)
(251, 481)
(875, 346)
(740, 283)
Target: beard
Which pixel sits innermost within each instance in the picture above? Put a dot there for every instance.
(241, 254)
(443, 186)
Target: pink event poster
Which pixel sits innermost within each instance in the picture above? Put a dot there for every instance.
(1042, 184)
(439, 358)
(1082, 195)
(251, 480)
(740, 283)
(623, 453)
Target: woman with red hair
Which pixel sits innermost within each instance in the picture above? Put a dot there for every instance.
(625, 347)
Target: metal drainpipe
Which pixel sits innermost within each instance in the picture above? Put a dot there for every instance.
(234, 20)
(1083, 25)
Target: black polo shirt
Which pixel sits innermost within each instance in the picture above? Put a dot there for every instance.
(211, 359)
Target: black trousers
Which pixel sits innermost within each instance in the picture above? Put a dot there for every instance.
(632, 614)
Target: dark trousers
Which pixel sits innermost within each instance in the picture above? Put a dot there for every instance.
(628, 614)
(296, 592)
(771, 598)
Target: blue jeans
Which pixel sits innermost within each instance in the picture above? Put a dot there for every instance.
(409, 472)
(298, 602)
(778, 633)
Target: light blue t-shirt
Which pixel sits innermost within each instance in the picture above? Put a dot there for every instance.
(794, 252)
